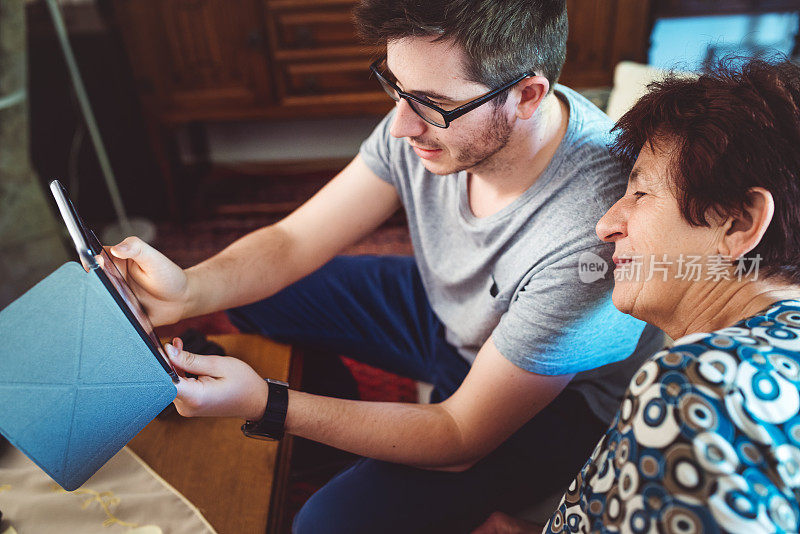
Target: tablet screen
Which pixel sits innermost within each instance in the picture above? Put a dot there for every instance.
(108, 267)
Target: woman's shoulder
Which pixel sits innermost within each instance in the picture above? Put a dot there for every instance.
(757, 358)
(754, 364)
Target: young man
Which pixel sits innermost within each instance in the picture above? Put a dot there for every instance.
(502, 176)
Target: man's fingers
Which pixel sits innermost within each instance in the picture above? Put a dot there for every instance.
(189, 391)
(194, 363)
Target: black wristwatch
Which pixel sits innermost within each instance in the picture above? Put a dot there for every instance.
(270, 426)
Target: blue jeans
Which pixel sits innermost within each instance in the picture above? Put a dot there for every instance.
(374, 309)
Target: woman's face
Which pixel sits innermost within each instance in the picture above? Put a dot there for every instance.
(657, 253)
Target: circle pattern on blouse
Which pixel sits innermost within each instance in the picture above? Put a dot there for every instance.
(706, 439)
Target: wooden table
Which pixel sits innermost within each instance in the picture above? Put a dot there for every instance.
(238, 483)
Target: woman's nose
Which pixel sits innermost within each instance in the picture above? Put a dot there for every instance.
(612, 226)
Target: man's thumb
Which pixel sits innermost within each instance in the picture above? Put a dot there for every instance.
(130, 247)
(133, 248)
(192, 363)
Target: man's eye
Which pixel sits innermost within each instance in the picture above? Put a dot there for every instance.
(429, 101)
(639, 194)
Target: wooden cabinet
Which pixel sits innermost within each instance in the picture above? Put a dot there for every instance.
(197, 60)
(205, 59)
(211, 60)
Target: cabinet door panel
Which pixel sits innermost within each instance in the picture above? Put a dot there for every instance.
(190, 53)
(601, 34)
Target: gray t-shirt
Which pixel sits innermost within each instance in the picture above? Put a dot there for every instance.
(514, 275)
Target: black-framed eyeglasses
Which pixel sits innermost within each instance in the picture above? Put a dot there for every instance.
(429, 112)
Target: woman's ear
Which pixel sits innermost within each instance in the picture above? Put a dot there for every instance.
(744, 231)
(532, 91)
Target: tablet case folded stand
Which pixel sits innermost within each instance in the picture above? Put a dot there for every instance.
(77, 382)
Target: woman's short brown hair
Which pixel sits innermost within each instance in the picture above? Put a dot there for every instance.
(734, 127)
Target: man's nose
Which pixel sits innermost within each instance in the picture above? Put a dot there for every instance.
(406, 122)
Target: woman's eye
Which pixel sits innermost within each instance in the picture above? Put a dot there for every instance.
(639, 194)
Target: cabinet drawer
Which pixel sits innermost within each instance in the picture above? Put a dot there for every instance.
(326, 78)
(304, 30)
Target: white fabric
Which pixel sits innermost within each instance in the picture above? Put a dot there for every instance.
(124, 494)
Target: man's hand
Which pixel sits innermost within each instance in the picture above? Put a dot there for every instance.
(161, 286)
(500, 523)
(225, 386)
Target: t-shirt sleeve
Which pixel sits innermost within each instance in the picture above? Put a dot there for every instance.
(376, 150)
(562, 319)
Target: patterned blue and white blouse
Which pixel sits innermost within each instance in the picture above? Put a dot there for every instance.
(707, 438)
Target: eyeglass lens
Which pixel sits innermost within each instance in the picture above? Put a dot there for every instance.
(427, 114)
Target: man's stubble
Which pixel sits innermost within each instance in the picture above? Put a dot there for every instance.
(480, 151)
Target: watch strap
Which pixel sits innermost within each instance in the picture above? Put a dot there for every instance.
(271, 424)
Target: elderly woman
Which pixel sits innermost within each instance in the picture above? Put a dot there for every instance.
(707, 247)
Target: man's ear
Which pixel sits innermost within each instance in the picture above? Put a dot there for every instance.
(744, 231)
(531, 92)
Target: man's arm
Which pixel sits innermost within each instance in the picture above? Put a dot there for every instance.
(265, 261)
(495, 399)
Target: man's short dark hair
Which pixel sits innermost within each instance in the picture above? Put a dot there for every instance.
(502, 38)
(735, 127)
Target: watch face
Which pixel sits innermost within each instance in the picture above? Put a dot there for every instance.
(277, 382)
(250, 434)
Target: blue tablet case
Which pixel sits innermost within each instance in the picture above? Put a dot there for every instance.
(77, 382)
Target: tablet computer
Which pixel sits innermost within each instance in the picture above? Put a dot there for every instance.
(95, 259)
